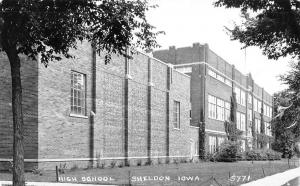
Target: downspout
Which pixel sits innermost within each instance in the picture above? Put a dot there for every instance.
(93, 109)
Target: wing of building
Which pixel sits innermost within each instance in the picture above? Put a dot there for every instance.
(213, 82)
(81, 112)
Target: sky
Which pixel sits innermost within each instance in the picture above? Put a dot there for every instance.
(189, 21)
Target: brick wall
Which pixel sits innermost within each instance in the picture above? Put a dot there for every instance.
(29, 80)
(120, 127)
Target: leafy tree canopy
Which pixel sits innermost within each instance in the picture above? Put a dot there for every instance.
(285, 126)
(52, 27)
(272, 25)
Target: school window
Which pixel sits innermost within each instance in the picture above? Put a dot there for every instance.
(243, 122)
(228, 82)
(257, 126)
(265, 109)
(220, 141)
(220, 78)
(78, 93)
(196, 148)
(184, 70)
(220, 109)
(249, 99)
(227, 111)
(212, 73)
(212, 142)
(255, 104)
(176, 114)
(249, 114)
(237, 94)
(240, 121)
(212, 101)
(243, 145)
(268, 129)
(243, 98)
(259, 106)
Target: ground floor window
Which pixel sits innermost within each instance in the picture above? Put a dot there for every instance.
(220, 141)
(243, 145)
(212, 143)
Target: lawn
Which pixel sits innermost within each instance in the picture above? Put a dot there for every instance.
(203, 173)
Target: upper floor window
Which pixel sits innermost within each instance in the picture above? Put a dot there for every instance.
(241, 121)
(212, 73)
(257, 125)
(212, 107)
(255, 104)
(237, 94)
(265, 109)
(243, 98)
(259, 106)
(220, 109)
(228, 82)
(220, 78)
(78, 93)
(176, 114)
(227, 111)
(249, 114)
(184, 70)
(249, 98)
(240, 96)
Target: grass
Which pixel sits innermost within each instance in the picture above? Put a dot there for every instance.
(202, 173)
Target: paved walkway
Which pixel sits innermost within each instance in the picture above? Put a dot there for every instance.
(276, 179)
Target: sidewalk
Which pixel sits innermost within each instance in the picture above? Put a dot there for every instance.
(276, 179)
(8, 183)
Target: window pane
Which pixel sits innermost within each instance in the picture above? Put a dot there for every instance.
(176, 114)
(78, 93)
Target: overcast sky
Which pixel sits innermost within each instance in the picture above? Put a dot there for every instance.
(188, 21)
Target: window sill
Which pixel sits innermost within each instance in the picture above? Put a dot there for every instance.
(78, 116)
(177, 129)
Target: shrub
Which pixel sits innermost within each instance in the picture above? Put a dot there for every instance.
(139, 162)
(74, 167)
(228, 152)
(149, 162)
(37, 171)
(120, 165)
(210, 157)
(113, 164)
(262, 154)
(62, 168)
(273, 155)
(183, 160)
(176, 161)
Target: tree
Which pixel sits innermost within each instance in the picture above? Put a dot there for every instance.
(50, 28)
(233, 134)
(285, 136)
(272, 25)
(287, 110)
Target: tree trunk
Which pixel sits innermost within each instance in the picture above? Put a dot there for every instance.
(18, 146)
